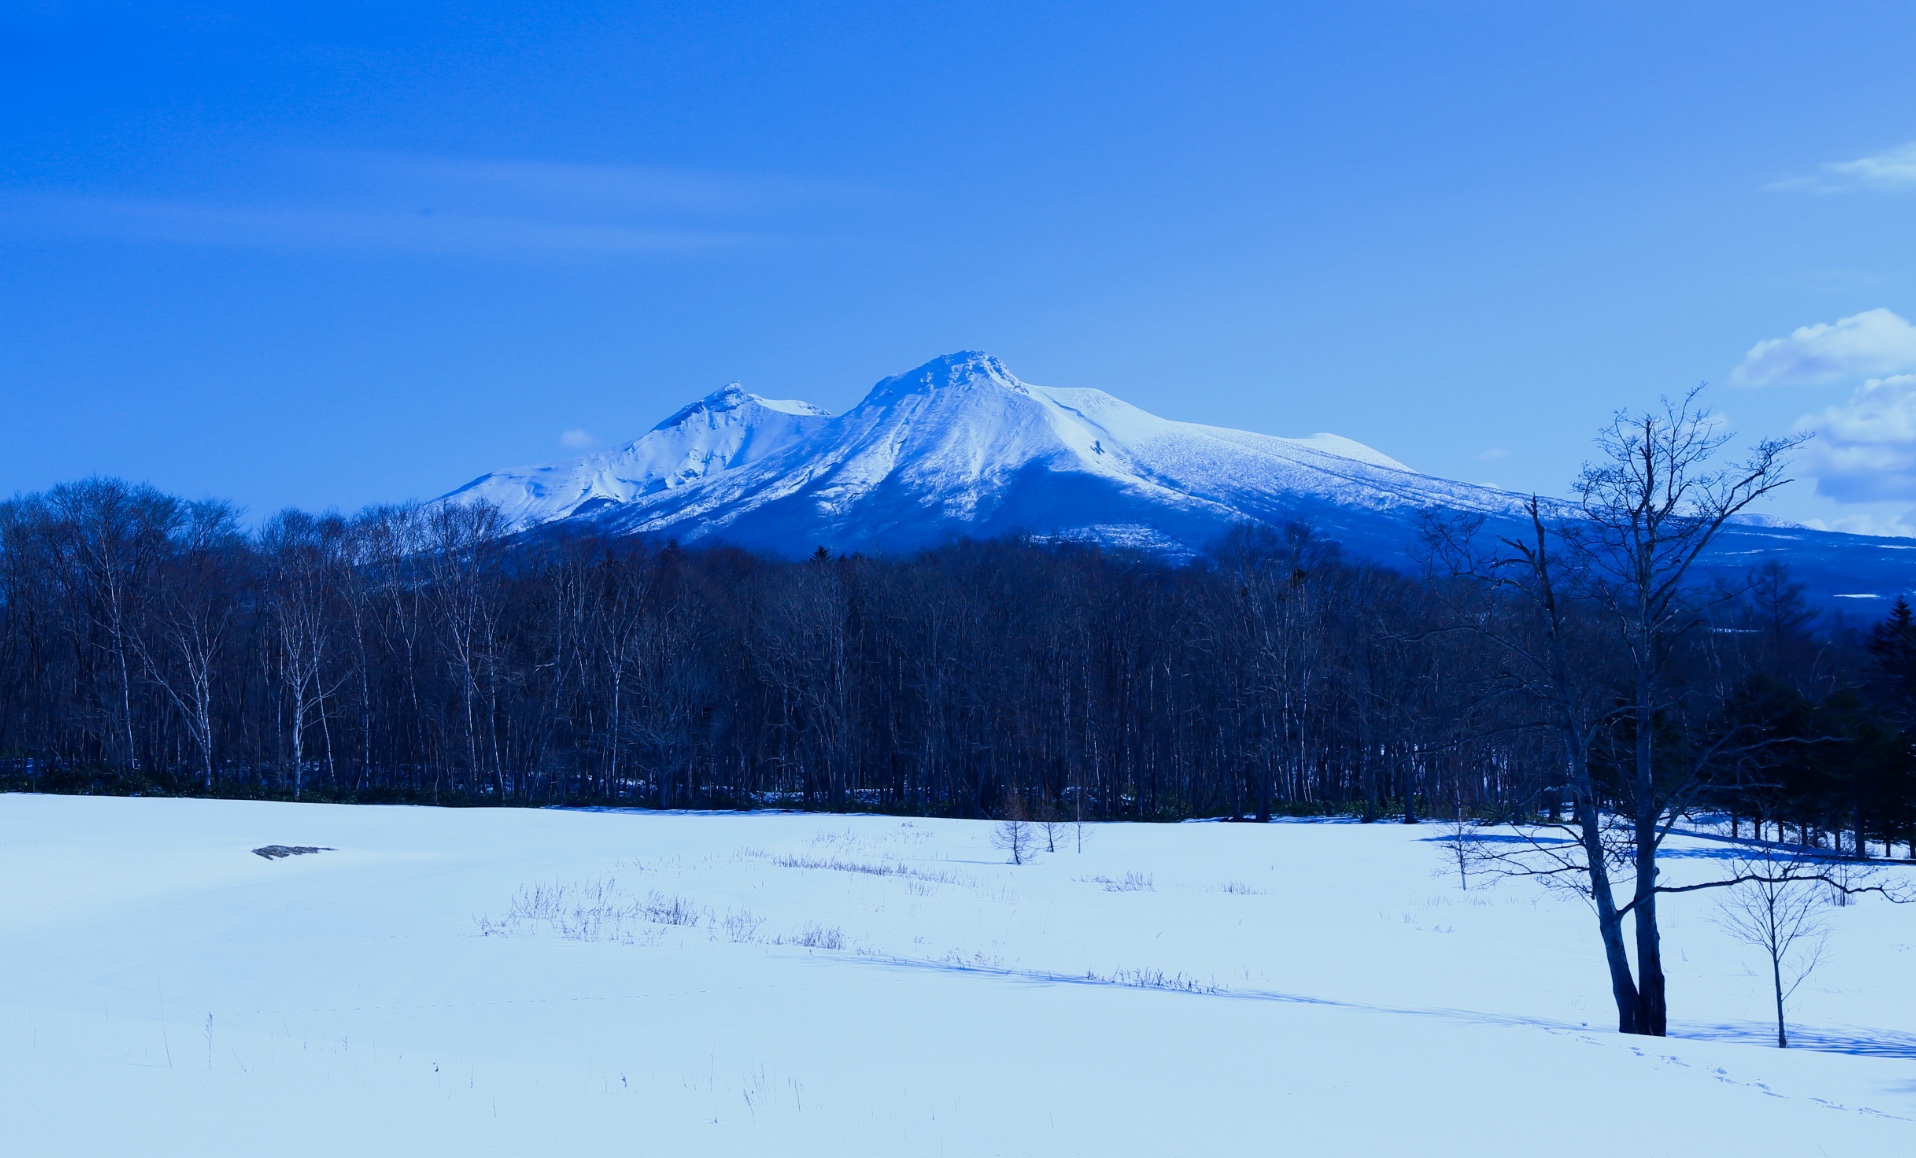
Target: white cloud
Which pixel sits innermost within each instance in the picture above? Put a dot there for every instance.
(1890, 526)
(1893, 171)
(1865, 449)
(1874, 342)
(577, 440)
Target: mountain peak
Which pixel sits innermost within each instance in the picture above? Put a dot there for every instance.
(961, 369)
(732, 396)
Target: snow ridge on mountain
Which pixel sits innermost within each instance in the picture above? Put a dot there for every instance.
(960, 446)
(726, 429)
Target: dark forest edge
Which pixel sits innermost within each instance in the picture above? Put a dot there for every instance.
(1300, 662)
(417, 655)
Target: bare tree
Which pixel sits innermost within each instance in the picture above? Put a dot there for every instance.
(1276, 578)
(1014, 834)
(1608, 594)
(306, 554)
(1650, 506)
(110, 537)
(195, 608)
(1460, 835)
(1050, 822)
(623, 597)
(392, 543)
(461, 542)
(664, 697)
(804, 650)
(1778, 907)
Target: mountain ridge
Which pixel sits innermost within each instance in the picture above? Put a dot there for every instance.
(727, 428)
(960, 446)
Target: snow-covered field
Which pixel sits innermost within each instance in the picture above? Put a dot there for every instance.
(868, 985)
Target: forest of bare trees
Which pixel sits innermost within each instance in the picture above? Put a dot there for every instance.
(149, 644)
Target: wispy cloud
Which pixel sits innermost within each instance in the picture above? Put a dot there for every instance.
(1892, 171)
(575, 187)
(308, 227)
(1874, 342)
(577, 440)
(444, 205)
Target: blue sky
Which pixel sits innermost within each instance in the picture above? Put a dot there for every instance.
(362, 252)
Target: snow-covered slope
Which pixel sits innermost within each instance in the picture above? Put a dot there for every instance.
(961, 447)
(726, 429)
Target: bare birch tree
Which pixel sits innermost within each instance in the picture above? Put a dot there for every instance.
(305, 555)
(461, 540)
(194, 611)
(111, 537)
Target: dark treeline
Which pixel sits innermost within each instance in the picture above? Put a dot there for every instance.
(149, 644)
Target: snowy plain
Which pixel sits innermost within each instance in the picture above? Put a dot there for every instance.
(799, 984)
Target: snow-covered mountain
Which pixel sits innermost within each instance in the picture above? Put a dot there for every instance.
(726, 429)
(961, 446)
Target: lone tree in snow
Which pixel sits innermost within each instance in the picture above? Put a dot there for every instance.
(1779, 909)
(1597, 602)
(1014, 834)
(1050, 823)
(1461, 835)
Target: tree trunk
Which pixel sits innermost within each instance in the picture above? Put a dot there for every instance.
(1609, 925)
(1776, 976)
(1263, 789)
(1652, 1002)
(1652, 1005)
